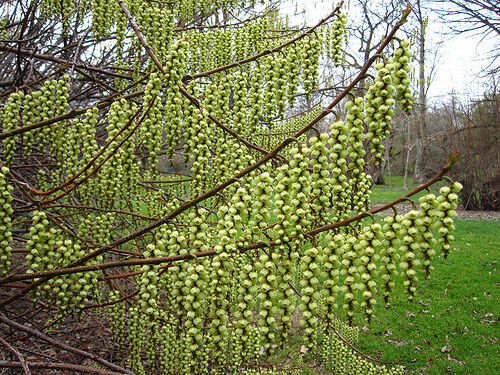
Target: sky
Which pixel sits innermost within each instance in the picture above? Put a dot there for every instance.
(459, 59)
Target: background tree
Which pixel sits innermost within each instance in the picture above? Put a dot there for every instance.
(421, 122)
(464, 125)
(471, 15)
(472, 127)
(478, 17)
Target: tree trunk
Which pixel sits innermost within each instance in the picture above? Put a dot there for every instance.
(421, 130)
(408, 148)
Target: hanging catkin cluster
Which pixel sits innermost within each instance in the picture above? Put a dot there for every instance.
(334, 38)
(5, 220)
(445, 212)
(379, 103)
(9, 118)
(401, 73)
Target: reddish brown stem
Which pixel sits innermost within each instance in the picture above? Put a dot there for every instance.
(62, 366)
(112, 302)
(183, 257)
(60, 345)
(92, 208)
(22, 362)
(167, 181)
(50, 58)
(216, 189)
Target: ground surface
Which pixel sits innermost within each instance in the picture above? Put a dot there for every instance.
(461, 214)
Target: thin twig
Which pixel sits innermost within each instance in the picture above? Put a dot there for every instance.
(215, 190)
(183, 257)
(19, 356)
(112, 302)
(51, 58)
(60, 345)
(62, 366)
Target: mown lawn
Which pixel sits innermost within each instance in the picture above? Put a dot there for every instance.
(453, 325)
(390, 192)
(451, 328)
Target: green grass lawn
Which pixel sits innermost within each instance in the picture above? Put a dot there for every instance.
(390, 192)
(453, 325)
(451, 328)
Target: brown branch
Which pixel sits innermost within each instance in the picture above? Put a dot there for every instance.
(132, 95)
(33, 83)
(184, 257)
(121, 275)
(65, 227)
(51, 58)
(167, 181)
(22, 362)
(216, 189)
(60, 345)
(62, 366)
(112, 302)
(99, 82)
(81, 207)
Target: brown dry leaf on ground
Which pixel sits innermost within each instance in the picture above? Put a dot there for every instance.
(398, 343)
(450, 358)
(446, 349)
